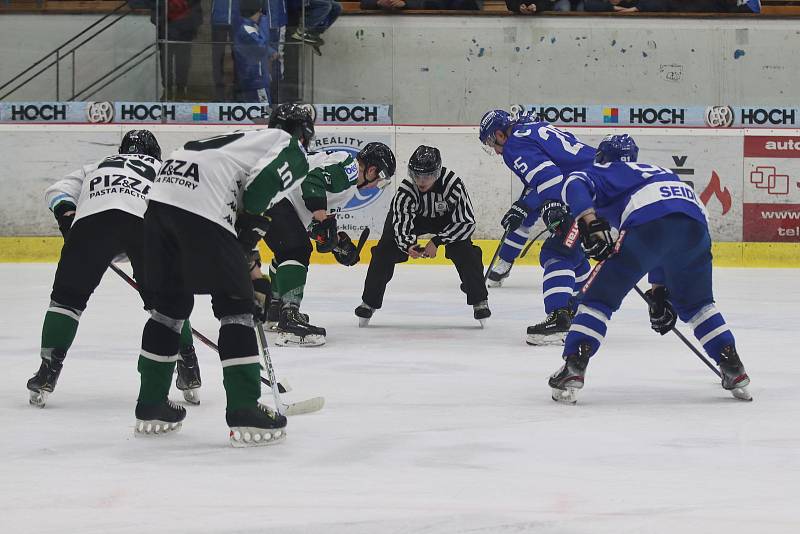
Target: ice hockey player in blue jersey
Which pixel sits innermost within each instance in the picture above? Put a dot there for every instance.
(541, 156)
(663, 232)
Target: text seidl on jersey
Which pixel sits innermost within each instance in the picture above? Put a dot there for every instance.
(674, 191)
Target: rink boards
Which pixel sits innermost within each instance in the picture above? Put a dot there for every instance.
(748, 179)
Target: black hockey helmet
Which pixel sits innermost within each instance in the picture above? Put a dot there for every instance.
(140, 142)
(380, 156)
(296, 120)
(425, 164)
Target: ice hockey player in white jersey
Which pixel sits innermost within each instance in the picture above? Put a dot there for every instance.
(99, 210)
(332, 182)
(203, 220)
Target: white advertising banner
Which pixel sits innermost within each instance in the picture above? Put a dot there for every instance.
(712, 160)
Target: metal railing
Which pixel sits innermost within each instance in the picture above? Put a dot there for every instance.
(54, 58)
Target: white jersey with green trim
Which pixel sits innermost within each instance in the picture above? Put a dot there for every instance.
(244, 170)
(118, 182)
(335, 172)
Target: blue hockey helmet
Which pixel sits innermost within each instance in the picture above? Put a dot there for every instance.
(617, 148)
(493, 120)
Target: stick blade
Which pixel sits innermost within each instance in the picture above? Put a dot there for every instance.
(306, 406)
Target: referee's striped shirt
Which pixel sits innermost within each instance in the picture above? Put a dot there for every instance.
(447, 198)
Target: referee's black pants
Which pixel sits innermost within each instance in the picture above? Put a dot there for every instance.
(465, 255)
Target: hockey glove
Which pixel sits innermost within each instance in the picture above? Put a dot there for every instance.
(514, 216)
(596, 238)
(324, 234)
(346, 252)
(250, 229)
(64, 220)
(662, 314)
(555, 216)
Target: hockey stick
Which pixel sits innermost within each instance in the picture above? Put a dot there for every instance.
(496, 253)
(683, 338)
(296, 408)
(502, 240)
(530, 243)
(282, 387)
(362, 240)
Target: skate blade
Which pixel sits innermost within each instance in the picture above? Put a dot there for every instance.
(483, 322)
(38, 399)
(291, 340)
(192, 396)
(155, 428)
(307, 406)
(245, 436)
(492, 283)
(538, 340)
(271, 327)
(742, 394)
(565, 396)
(363, 321)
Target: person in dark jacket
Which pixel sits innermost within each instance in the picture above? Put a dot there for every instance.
(529, 7)
(252, 53)
(175, 20)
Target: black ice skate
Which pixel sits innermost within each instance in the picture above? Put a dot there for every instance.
(188, 380)
(364, 313)
(734, 377)
(158, 419)
(499, 273)
(295, 330)
(256, 426)
(566, 382)
(481, 312)
(553, 330)
(44, 381)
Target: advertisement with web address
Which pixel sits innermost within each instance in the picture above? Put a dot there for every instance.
(772, 188)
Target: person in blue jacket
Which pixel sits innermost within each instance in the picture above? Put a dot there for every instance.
(225, 19)
(541, 156)
(663, 232)
(252, 53)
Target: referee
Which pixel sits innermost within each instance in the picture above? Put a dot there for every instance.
(432, 200)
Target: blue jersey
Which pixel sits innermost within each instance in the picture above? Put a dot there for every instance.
(630, 194)
(542, 156)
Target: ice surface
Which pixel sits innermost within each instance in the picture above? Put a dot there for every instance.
(432, 425)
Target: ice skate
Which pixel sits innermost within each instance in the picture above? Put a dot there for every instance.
(553, 330)
(188, 380)
(566, 382)
(294, 330)
(158, 419)
(500, 271)
(734, 377)
(256, 426)
(44, 381)
(481, 312)
(364, 313)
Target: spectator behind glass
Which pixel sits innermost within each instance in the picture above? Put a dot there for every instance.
(320, 15)
(225, 19)
(529, 7)
(252, 53)
(684, 6)
(437, 5)
(175, 20)
(277, 19)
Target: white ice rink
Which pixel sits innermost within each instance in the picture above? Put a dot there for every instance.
(432, 425)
